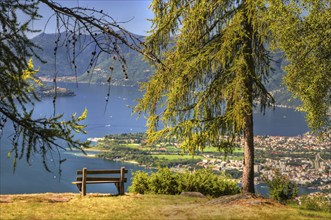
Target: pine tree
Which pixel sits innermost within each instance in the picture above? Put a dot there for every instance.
(211, 77)
(215, 60)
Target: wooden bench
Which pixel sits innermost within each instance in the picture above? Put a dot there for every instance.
(84, 177)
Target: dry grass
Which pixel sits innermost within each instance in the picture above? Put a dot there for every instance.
(130, 206)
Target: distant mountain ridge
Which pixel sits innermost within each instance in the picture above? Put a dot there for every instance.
(138, 69)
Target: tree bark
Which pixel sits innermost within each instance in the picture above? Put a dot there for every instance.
(248, 169)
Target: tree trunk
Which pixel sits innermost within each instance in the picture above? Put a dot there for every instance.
(248, 170)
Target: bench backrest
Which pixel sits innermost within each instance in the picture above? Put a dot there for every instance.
(80, 172)
(121, 173)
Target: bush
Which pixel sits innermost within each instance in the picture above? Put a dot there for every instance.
(316, 202)
(139, 182)
(280, 187)
(207, 183)
(165, 182)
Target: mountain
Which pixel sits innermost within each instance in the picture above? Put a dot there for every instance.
(138, 69)
(275, 83)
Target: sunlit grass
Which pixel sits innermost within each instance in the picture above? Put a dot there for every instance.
(70, 206)
(215, 149)
(176, 156)
(133, 145)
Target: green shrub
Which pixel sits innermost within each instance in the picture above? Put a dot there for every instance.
(280, 187)
(316, 202)
(208, 183)
(139, 182)
(165, 182)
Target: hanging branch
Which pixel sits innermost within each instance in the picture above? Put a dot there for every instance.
(41, 136)
(98, 22)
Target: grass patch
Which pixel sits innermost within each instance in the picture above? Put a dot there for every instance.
(176, 157)
(136, 146)
(143, 207)
(215, 150)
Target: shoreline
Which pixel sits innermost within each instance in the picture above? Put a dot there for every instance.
(72, 79)
(64, 79)
(232, 163)
(175, 169)
(94, 149)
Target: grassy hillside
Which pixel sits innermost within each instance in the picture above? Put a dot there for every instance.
(130, 206)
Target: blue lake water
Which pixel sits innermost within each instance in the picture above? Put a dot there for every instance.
(115, 118)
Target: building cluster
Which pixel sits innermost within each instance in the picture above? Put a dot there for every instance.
(304, 159)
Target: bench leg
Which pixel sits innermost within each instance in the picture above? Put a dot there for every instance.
(79, 186)
(84, 181)
(122, 188)
(122, 181)
(118, 187)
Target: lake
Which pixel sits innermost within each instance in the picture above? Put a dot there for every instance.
(114, 118)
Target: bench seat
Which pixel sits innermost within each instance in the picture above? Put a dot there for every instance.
(94, 182)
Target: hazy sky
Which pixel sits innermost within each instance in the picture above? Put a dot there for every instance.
(121, 10)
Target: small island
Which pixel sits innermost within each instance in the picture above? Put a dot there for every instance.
(49, 91)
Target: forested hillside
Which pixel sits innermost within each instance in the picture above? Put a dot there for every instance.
(138, 69)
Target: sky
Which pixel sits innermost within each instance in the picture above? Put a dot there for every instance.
(134, 11)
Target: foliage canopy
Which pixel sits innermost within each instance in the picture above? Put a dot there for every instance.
(214, 65)
(303, 31)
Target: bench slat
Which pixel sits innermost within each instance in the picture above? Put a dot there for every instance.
(94, 182)
(92, 178)
(79, 172)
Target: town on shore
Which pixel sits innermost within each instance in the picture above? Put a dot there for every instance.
(305, 159)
